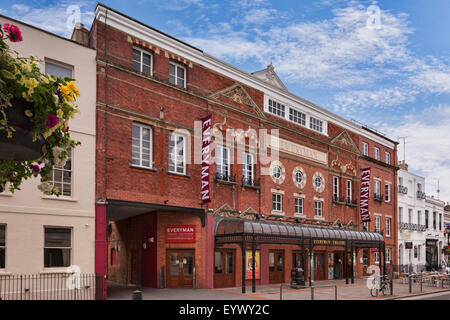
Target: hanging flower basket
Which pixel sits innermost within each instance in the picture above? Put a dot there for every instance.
(34, 114)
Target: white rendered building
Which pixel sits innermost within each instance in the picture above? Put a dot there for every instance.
(412, 220)
(435, 237)
(44, 234)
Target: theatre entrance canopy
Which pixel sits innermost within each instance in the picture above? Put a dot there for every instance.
(245, 232)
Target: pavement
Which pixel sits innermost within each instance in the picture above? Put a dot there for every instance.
(355, 291)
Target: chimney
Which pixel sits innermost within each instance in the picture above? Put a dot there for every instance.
(402, 164)
(80, 34)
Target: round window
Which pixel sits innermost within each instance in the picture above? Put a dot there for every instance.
(318, 182)
(298, 177)
(277, 172)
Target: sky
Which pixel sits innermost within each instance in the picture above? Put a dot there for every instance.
(385, 64)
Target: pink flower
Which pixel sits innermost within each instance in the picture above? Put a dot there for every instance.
(51, 121)
(35, 168)
(15, 35)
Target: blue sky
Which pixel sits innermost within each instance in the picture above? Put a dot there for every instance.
(393, 76)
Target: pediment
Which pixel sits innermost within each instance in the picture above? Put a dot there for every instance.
(239, 95)
(344, 140)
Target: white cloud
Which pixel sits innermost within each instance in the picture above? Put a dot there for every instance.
(427, 145)
(21, 8)
(383, 98)
(55, 19)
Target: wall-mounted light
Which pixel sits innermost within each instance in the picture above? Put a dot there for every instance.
(151, 240)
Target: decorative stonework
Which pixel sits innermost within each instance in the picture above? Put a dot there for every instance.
(344, 139)
(281, 179)
(322, 184)
(296, 149)
(294, 173)
(349, 168)
(239, 95)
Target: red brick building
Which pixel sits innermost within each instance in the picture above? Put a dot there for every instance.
(152, 227)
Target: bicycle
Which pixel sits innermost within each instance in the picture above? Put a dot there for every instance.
(384, 286)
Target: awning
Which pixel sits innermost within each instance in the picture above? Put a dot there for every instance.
(236, 230)
(117, 210)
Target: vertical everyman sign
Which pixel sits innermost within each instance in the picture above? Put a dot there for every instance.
(206, 141)
(365, 192)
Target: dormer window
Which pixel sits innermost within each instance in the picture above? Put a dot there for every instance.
(315, 124)
(277, 108)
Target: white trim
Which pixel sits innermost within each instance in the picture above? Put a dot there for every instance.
(177, 65)
(142, 126)
(144, 33)
(142, 51)
(176, 135)
(277, 191)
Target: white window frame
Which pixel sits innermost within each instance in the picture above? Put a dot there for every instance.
(388, 226)
(377, 223)
(315, 124)
(141, 62)
(376, 153)
(365, 148)
(177, 65)
(336, 188)
(387, 156)
(277, 200)
(248, 169)
(400, 214)
(61, 184)
(387, 196)
(349, 190)
(315, 182)
(388, 255)
(141, 127)
(4, 247)
(376, 190)
(297, 117)
(276, 108)
(298, 210)
(318, 209)
(221, 161)
(175, 136)
(377, 257)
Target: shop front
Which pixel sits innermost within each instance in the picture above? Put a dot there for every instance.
(270, 249)
(432, 255)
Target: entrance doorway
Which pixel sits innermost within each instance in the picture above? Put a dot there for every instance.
(319, 265)
(276, 266)
(180, 268)
(224, 268)
(338, 265)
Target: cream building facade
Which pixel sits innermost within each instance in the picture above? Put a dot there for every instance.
(46, 234)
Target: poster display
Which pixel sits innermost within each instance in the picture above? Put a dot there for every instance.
(248, 265)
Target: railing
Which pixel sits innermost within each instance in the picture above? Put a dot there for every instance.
(421, 195)
(402, 189)
(58, 286)
(312, 289)
(339, 200)
(250, 182)
(412, 226)
(225, 178)
(378, 197)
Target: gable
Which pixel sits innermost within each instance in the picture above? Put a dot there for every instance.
(344, 140)
(239, 95)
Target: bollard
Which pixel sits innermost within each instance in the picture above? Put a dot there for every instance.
(410, 284)
(312, 293)
(137, 295)
(421, 281)
(335, 292)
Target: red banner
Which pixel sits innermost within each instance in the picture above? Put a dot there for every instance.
(365, 194)
(180, 233)
(206, 141)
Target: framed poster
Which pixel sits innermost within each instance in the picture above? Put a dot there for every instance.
(248, 265)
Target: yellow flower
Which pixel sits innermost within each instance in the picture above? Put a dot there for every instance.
(9, 134)
(31, 83)
(59, 113)
(3, 122)
(24, 95)
(28, 113)
(44, 79)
